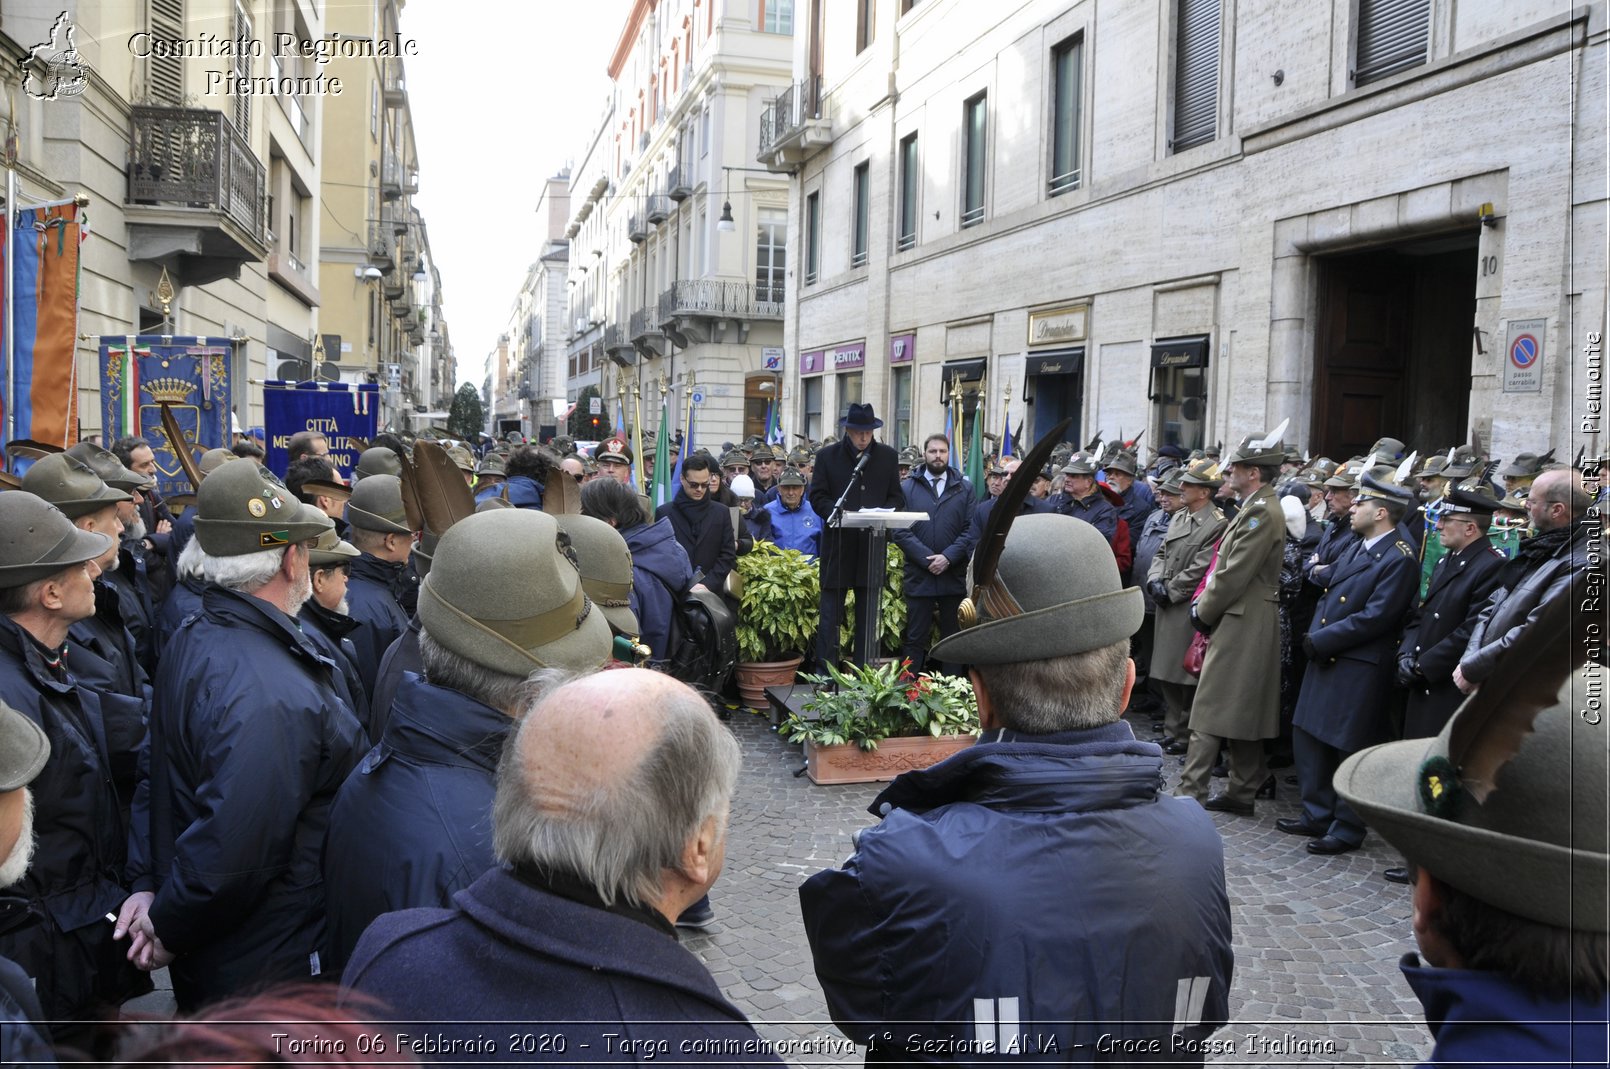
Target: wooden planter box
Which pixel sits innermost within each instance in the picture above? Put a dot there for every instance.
(851, 764)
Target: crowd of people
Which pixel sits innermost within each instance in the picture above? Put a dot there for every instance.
(406, 733)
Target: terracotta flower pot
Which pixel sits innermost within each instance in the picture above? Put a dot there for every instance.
(851, 764)
(755, 676)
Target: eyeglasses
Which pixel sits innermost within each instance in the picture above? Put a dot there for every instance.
(691, 485)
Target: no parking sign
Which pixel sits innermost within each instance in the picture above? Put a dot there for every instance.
(1523, 355)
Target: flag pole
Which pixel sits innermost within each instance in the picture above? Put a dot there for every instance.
(637, 431)
(11, 270)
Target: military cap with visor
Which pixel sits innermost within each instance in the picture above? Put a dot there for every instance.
(377, 505)
(502, 594)
(1472, 495)
(71, 485)
(1377, 486)
(37, 540)
(240, 510)
(614, 449)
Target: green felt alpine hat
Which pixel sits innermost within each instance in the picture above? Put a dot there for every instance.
(1537, 847)
(109, 468)
(791, 477)
(502, 594)
(1060, 574)
(213, 459)
(37, 540)
(1202, 472)
(606, 568)
(239, 510)
(71, 485)
(377, 460)
(1125, 462)
(377, 505)
(24, 749)
(1080, 464)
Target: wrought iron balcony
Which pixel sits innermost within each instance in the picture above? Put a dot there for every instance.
(715, 298)
(659, 208)
(196, 194)
(793, 127)
(679, 183)
(636, 228)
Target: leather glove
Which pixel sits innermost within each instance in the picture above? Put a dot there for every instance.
(1408, 671)
(1308, 648)
(1158, 589)
(1197, 622)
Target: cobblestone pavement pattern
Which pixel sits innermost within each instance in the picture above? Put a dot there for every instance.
(1317, 940)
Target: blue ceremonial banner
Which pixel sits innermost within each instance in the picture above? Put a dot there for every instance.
(138, 373)
(342, 412)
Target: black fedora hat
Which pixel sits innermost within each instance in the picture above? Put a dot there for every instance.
(861, 418)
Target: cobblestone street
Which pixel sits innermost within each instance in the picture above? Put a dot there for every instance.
(1317, 940)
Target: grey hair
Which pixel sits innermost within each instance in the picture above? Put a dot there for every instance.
(1070, 693)
(628, 833)
(189, 565)
(498, 690)
(247, 573)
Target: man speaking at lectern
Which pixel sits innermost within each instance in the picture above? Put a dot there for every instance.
(865, 474)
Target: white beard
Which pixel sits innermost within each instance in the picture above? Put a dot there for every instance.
(136, 530)
(299, 594)
(13, 868)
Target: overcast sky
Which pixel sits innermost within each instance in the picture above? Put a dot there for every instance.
(500, 104)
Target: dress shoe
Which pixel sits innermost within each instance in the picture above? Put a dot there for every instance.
(1298, 826)
(1267, 790)
(1396, 875)
(1223, 804)
(1329, 844)
(1175, 747)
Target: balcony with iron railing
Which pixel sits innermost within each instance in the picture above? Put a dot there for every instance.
(794, 126)
(694, 310)
(636, 228)
(189, 169)
(680, 181)
(659, 208)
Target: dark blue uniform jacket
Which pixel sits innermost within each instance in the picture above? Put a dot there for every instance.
(1045, 879)
(375, 595)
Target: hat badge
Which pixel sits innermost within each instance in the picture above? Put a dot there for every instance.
(256, 507)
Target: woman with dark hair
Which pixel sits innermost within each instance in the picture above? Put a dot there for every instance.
(660, 569)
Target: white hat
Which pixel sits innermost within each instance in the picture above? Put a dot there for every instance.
(743, 486)
(1296, 517)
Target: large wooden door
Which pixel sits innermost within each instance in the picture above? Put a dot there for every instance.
(1362, 351)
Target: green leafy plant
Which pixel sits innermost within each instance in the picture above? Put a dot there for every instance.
(892, 624)
(778, 611)
(870, 703)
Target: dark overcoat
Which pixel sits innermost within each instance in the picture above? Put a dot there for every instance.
(1345, 700)
(1437, 631)
(375, 594)
(508, 951)
(844, 550)
(249, 743)
(78, 872)
(412, 825)
(944, 531)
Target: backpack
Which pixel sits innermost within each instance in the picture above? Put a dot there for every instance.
(703, 647)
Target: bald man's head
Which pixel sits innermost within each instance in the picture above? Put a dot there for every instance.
(610, 778)
(1557, 498)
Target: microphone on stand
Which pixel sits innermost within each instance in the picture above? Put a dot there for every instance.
(859, 464)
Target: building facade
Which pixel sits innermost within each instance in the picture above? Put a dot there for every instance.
(1190, 219)
(678, 240)
(538, 330)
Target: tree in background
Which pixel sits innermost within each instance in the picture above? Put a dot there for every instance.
(466, 418)
(583, 425)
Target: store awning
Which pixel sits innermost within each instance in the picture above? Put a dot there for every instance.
(1069, 361)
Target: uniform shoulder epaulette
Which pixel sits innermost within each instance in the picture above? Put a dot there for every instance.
(1404, 548)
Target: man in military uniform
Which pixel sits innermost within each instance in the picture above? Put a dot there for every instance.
(1237, 702)
(1345, 700)
(1193, 534)
(1083, 500)
(249, 742)
(1338, 537)
(376, 589)
(614, 458)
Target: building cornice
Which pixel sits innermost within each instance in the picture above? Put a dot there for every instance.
(628, 38)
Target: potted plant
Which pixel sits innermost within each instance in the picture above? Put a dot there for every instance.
(777, 617)
(874, 722)
(892, 606)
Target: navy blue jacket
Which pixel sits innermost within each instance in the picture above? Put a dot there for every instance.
(919, 927)
(1139, 504)
(183, 600)
(508, 951)
(1094, 509)
(128, 579)
(401, 658)
(704, 530)
(1347, 687)
(524, 492)
(981, 511)
(945, 531)
(78, 870)
(23, 1040)
(659, 568)
(1437, 631)
(1148, 543)
(412, 825)
(332, 632)
(248, 746)
(1336, 540)
(101, 655)
(1462, 1006)
(375, 600)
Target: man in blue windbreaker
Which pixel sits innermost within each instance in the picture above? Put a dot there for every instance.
(994, 910)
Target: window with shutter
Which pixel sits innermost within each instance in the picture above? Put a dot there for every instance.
(243, 70)
(164, 76)
(1196, 73)
(1393, 35)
